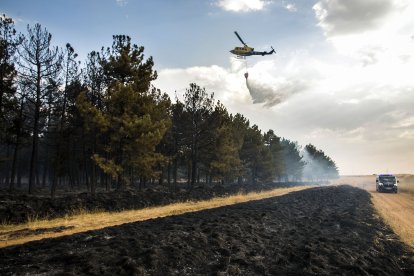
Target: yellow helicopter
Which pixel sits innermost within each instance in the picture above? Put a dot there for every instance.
(248, 51)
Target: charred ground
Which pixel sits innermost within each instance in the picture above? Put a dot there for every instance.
(327, 230)
(19, 208)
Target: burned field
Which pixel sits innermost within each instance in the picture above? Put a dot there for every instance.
(20, 208)
(327, 230)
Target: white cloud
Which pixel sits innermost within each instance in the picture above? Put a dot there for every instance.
(407, 134)
(372, 32)
(227, 84)
(342, 17)
(375, 33)
(291, 7)
(241, 5)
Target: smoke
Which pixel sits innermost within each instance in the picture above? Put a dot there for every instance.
(315, 169)
(274, 93)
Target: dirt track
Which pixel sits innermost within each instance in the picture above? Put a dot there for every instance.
(396, 209)
(328, 230)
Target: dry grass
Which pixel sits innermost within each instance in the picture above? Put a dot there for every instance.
(85, 221)
(397, 210)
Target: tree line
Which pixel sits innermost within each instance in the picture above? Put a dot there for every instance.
(102, 124)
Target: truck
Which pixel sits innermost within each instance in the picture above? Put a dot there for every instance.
(386, 183)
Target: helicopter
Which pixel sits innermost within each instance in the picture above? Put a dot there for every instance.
(248, 51)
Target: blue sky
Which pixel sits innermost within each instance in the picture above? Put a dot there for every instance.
(176, 33)
(341, 78)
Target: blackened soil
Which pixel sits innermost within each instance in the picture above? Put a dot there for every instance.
(19, 208)
(327, 230)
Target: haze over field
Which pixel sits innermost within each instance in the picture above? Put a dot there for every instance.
(341, 78)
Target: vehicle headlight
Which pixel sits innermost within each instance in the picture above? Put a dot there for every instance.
(395, 184)
(380, 184)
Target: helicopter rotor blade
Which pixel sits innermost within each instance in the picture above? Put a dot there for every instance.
(241, 40)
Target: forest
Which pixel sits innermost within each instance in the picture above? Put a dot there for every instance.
(101, 125)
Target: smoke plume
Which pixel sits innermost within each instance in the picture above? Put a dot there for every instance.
(317, 167)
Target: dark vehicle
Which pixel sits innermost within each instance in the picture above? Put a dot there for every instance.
(387, 183)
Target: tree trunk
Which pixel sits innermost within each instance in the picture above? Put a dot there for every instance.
(54, 185)
(194, 157)
(19, 177)
(162, 174)
(169, 174)
(33, 158)
(175, 169)
(85, 163)
(93, 179)
(14, 164)
(7, 172)
(45, 169)
(107, 187)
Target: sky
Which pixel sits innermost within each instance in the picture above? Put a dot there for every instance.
(341, 79)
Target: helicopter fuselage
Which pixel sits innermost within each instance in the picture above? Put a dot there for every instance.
(248, 51)
(242, 51)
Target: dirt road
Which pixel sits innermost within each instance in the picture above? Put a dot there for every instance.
(396, 209)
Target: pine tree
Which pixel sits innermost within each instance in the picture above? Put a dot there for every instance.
(176, 139)
(319, 166)
(251, 153)
(273, 143)
(293, 162)
(40, 64)
(134, 117)
(225, 162)
(198, 109)
(9, 41)
(132, 135)
(240, 126)
(91, 141)
(9, 102)
(64, 133)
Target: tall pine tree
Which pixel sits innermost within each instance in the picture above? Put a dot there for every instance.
(135, 116)
(40, 64)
